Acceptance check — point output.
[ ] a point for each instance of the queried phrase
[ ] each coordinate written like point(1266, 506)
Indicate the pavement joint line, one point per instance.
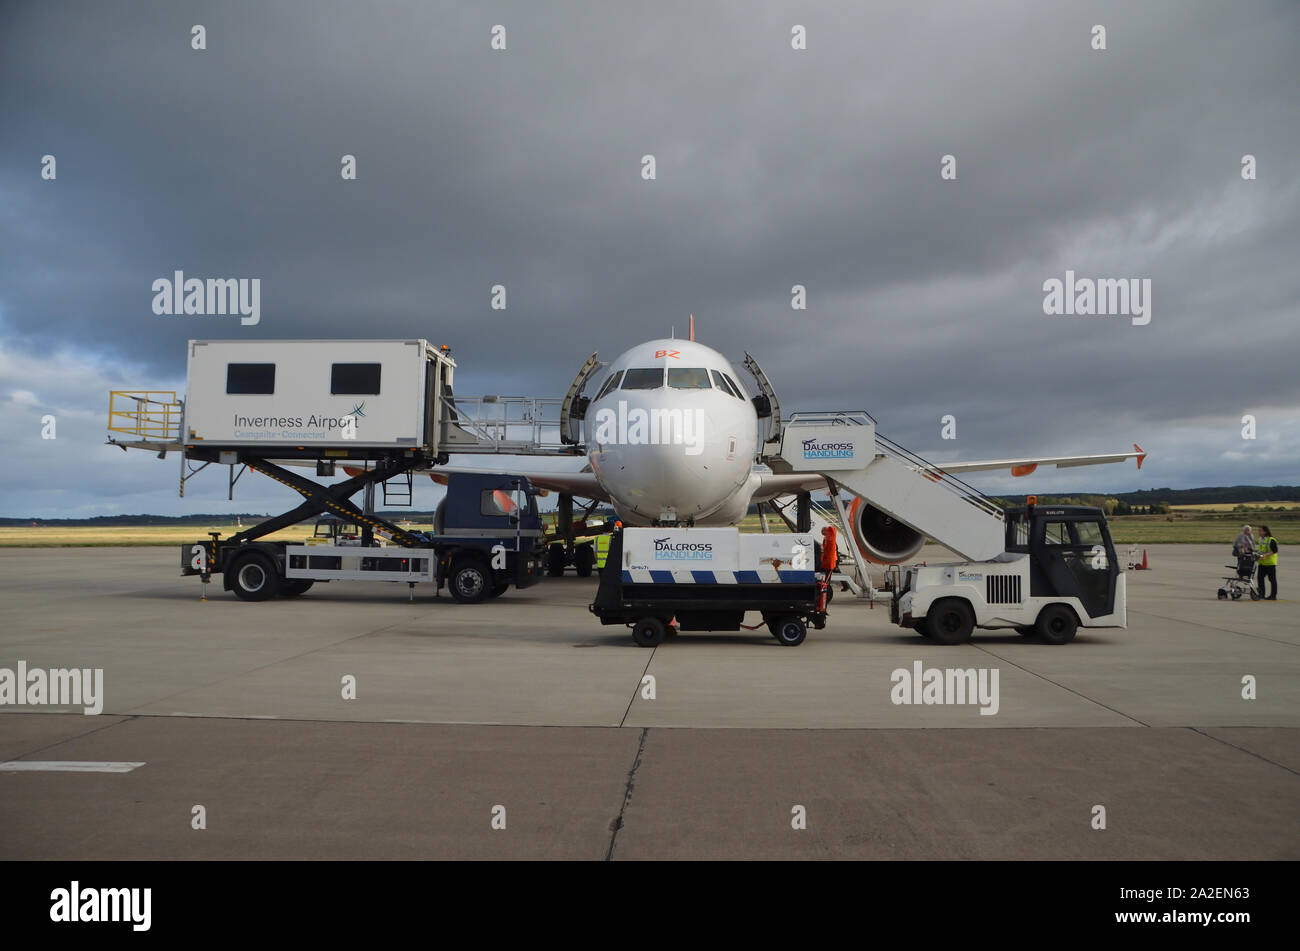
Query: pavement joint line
point(640, 680)
point(1219, 739)
point(68, 766)
point(1034, 673)
point(1211, 627)
point(282, 660)
point(127, 718)
point(617, 824)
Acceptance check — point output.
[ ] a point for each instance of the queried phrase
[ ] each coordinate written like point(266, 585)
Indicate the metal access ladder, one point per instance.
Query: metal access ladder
point(847, 450)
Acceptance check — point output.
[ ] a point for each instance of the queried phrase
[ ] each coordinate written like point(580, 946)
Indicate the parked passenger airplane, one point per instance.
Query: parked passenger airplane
point(672, 435)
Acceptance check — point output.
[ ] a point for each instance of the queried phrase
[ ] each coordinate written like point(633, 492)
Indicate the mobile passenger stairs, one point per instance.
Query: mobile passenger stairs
point(845, 448)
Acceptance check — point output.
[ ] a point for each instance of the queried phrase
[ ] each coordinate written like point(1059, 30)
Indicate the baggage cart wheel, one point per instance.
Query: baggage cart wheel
point(1223, 594)
point(790, 631)
point(1254, 595)
point(648, 632)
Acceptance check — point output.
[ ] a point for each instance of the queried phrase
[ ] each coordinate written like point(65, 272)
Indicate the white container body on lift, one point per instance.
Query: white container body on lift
point(315, 393)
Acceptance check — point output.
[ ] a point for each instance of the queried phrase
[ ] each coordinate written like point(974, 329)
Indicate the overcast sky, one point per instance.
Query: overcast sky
point(774, 167)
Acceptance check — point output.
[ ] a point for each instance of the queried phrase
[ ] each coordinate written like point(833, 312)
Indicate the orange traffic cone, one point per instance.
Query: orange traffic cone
point(1145, 566)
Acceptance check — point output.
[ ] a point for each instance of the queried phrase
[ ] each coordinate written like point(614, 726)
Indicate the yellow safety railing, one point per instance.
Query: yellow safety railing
point(147, 414)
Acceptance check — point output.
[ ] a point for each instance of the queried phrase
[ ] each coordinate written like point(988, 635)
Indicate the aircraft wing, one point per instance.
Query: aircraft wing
point(772, 485)
point(581, 484)
point(1023, 467)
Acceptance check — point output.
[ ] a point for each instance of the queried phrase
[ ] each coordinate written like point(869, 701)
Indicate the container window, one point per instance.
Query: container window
point(250, 377)
point(354, 379)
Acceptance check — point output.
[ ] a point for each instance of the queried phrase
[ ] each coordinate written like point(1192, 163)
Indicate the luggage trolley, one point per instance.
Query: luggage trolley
point(710, 597)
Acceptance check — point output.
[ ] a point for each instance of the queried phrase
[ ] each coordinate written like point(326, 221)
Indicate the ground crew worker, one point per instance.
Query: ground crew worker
point(602, 549)
point(1267, 562)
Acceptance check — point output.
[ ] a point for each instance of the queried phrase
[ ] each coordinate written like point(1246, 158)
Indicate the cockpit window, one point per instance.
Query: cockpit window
point(722, 383)
point(735, 386)
point(688, 378)
point(609, 384)
point(644, 379)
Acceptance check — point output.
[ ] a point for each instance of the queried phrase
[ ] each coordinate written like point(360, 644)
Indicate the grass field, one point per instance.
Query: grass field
point(1216, 525)
point(1229, 506)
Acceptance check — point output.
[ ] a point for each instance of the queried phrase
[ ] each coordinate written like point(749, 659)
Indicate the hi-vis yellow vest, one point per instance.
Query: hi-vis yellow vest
point(602, 550)
point(1269, 556)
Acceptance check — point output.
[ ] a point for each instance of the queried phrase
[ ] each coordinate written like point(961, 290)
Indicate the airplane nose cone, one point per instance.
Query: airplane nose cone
point(654, 480)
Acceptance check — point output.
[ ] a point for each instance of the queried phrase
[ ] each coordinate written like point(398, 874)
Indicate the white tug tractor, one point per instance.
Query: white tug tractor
point(1057, 574)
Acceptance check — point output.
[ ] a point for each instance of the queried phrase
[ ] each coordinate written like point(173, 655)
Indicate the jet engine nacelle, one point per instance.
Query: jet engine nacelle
point(880, 537)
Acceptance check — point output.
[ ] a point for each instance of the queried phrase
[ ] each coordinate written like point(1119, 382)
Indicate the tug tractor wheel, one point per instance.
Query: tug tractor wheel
point(253, 578)
point(555, 560)
point(583, 558)
point(470, 581)
point(950, 621)
point(1057, 624)
point(790, 631)
point(292, 587)
point(921, 627)
point(648, 632)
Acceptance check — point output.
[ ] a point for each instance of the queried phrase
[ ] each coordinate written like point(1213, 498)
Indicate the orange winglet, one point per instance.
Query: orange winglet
point(1142, 456)
point(1023, 470)
point(438, 477)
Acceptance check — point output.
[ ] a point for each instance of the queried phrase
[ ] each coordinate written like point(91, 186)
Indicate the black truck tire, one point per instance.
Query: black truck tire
point(253, 577)
point(584, 557)
point(1026, 631)
point(470, 580)
point(790, 631)
point(950, 621)
point(648, 631)
point(555, 559)
point(292, 587)
point(1057, 624)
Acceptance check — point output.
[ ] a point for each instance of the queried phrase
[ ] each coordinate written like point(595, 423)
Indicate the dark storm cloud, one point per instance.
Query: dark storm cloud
point(775, 167)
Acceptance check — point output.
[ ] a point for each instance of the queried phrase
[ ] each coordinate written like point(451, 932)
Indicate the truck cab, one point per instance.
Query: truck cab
point(489, 536)
point(1058, 573)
